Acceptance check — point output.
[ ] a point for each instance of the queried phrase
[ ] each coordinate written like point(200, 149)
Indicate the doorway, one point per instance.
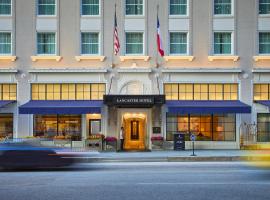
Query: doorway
point(134, 131)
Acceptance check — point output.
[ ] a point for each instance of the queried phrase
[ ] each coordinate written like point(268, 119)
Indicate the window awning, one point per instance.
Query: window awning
point(61, 107)
point(211, 107)
point(5, 103)
point(265, 103)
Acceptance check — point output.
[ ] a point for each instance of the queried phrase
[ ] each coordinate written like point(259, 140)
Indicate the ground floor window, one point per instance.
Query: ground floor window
point(50, 126)
point(207, 127)
point(6, 125)
point(263, 122)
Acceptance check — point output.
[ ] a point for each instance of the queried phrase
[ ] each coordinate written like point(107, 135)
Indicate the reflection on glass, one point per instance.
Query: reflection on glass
point(6, 125)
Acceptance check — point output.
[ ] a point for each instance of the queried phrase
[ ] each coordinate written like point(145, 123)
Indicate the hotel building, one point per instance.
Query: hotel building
point(59, 75)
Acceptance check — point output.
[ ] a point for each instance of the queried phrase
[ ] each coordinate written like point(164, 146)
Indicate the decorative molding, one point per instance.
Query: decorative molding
point(202, 70)
point(10, 58)
point(221, 57)
point(36, 58)
point(189, 58)
point(134, 70)
point(258, 58)
point(145, 58)
point(80, 58)
point(67, 70)
point(8, 70)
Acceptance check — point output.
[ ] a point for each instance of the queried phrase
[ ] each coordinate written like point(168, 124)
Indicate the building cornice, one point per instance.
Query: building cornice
point(67, 70)
point(202, 70)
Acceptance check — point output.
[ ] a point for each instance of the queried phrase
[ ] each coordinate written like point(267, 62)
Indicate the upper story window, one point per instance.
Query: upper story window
point(178, 7)
point(90, 7)
point(222, 7)
point(46, 7)
point(264, 7)
point(46, 43)
point(8, 91)
point(5, 43)
point(68, 91)
point(134, 43)
point(90, 43)
point(134, 7)
point(5, 7)
point(223, 43)
point(200, 91)
point(264, 43)
point(261, 92)
point(178, 43)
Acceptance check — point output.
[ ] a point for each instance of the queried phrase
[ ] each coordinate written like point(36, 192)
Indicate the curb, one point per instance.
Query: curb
point(164, 159)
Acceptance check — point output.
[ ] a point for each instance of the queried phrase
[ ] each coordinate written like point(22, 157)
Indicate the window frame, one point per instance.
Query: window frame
point(99, 43)
point(178, 16)
point(11, 13)
point(259, 32)
point(56, 47)
point(99, 10)
point(143, 37)
point(264, 15)
point(11, 44)
point(187, 44)
point(2, 92)
point(232, 43)
point(55, 9)
point(224, 15)
point(129, 15)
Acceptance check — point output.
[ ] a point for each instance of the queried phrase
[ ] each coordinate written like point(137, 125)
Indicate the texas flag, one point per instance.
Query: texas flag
point(159, 41)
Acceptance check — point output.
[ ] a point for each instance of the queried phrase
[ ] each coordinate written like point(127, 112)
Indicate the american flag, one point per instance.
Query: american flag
point(116, 42)
point(159, 41)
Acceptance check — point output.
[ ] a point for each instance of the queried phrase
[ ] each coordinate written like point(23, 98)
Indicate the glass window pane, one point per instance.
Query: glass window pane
point(46, 7)
point(264, 43)
point(90, 7)
point(5, 7)
point(90, 43)
point(222, 43)
point(134, 7)
point(178, 7)
point(264, 7)
point(222, 7)
point(46, 43)
point(134, 43)
point(6, 126)
point(5, 43)
point(178, 43)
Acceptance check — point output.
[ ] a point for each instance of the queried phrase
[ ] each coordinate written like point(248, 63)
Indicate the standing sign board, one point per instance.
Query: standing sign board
point(179, 141)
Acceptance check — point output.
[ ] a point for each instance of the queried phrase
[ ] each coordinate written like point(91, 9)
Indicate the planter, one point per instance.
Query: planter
point(157, 144)
point(62, 142)
point(94, 144)
point(111, 145)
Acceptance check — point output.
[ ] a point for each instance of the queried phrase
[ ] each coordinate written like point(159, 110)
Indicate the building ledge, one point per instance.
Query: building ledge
point(261, 70)
point(9, 58)
point(202, 70)
point(124, 58)
point(80, 58)
point(36, 58)
point(8, 70)
point(223, 57)
point(189, 58)
point(258, 58)
point(68, 70)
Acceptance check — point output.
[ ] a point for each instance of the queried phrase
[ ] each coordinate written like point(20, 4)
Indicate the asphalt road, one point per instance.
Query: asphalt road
point(137, 181)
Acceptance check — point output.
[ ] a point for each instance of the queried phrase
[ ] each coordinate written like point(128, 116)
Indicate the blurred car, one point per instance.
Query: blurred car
point(259, 155)
point(24, 155)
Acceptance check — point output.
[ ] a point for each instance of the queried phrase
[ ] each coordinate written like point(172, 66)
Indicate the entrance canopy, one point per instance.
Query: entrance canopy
point(265, 103)
point(213, 107)
point(61, 107)
point(5, 103)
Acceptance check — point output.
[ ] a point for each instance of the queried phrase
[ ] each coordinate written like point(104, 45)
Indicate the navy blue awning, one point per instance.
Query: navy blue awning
point(265, 103)
point(211, 107)
point(5, 103)
point(61, 107)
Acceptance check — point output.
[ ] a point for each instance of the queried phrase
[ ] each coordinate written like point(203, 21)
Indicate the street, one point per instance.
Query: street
point(138, 181)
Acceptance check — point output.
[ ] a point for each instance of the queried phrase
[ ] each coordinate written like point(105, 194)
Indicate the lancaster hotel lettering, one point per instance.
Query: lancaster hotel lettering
point(134, 100)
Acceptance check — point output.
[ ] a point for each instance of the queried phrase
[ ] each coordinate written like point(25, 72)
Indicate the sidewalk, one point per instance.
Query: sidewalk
point(164, 156)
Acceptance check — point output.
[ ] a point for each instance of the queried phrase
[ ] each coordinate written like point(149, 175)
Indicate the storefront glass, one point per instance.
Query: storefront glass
point(6, 125)
point(49, 126)
point(206, 127)
point(263, 122)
